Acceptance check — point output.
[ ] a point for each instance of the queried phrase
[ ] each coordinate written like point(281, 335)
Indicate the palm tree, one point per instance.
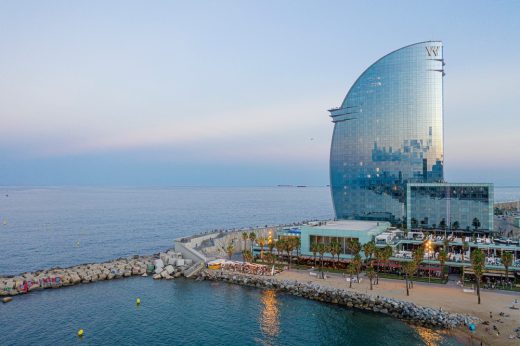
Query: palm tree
point(409, 269)
point(335, 250)
point(252, 237)
point(478, 263)
point(369, 249)
point(298, 243)
point(379, 257)
point(354, 246)
point(418, 257)
point(289, 247)
point(230, 249)
point(351, 270)
point(270, 258)
point(271, 245)
point(358, 263)
point(314, 250)
point(280, 246)
point(507, 261)
point(245, 237)
point(371, 274)
point(386, 254)
point(322, 248)
point(248, 256)
point(443, 257)
point(261, 243)
point(418, 253)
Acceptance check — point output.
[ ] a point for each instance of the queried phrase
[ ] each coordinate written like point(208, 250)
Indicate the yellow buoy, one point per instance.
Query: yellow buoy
point(80, 332)
point(138, 301)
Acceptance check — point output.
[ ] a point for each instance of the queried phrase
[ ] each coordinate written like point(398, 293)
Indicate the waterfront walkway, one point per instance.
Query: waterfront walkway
point(448, 297)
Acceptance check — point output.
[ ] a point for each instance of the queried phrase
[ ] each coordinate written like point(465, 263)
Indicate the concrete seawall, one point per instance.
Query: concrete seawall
point(412, 313)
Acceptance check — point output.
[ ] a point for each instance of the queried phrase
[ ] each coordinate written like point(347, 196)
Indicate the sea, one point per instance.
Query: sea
point(44, 227)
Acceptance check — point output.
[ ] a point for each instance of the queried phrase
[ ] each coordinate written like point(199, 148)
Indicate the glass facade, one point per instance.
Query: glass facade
point(321, 239)
point(450, 206)
point(388, 132)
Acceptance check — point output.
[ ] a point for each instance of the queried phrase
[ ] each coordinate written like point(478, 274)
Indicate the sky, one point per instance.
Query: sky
point(235, 93)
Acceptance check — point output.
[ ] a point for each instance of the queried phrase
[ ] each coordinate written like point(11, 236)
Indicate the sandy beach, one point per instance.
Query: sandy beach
point(448, 297)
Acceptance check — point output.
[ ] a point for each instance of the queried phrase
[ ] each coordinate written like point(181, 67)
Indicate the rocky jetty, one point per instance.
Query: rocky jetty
point(170, 265)
point(83, 273)
point(410, 312)
point(167, 265)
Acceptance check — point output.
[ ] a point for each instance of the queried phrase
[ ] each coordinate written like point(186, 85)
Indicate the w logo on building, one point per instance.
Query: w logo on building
point(432, 50)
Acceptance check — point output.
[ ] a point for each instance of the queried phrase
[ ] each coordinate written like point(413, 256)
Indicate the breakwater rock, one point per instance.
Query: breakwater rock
point(83, 273)
point(410, 312)
point(170, 265)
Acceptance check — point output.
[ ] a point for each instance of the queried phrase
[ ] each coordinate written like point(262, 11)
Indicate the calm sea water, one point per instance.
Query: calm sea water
point(183, 312)
point(40, 227)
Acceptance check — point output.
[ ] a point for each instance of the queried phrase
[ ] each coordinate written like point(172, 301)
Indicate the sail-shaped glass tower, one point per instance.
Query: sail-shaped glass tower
point(388, 132)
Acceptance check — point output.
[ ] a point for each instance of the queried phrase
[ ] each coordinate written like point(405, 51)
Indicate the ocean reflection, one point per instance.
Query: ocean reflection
point(270, 322)
point(428, 336)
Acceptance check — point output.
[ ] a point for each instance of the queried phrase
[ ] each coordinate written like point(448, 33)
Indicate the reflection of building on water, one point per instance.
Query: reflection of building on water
point(270, 320)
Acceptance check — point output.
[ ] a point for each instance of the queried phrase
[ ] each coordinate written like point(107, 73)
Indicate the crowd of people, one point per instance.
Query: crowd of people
point(247, 268)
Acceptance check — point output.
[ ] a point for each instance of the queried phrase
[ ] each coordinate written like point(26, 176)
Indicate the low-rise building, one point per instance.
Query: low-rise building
point(340, 231)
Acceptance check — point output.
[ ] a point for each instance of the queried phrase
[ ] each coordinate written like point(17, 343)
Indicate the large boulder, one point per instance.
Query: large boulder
point(158, 263)
point(169, 269)
point(164, 257)
point(158, 270)
point(75, 278)
point(179, 262)
point(8, 286)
